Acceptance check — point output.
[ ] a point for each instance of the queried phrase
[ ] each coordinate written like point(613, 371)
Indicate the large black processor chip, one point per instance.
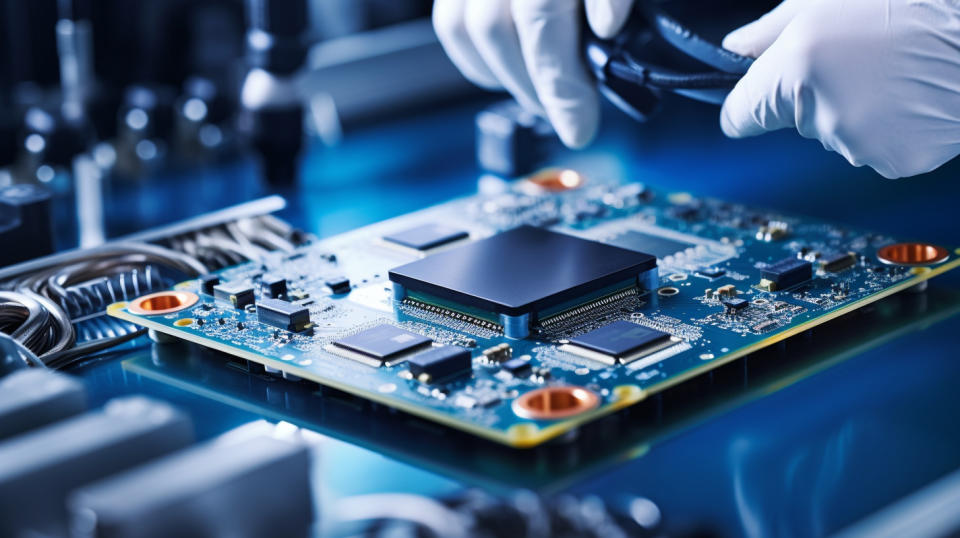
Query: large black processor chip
point(522, 271)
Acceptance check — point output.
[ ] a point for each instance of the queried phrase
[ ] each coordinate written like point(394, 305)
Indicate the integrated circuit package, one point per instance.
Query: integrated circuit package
point(523, 274)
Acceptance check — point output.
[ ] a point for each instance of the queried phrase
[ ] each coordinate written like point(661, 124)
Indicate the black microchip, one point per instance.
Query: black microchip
point(440, 362)
point(426, 236)
point(239, 295)
point(282, 314)
point(620, 339)
point(660, 247)
point(338, 285)
point(837, 261)
point(735, 304)
point(273, 286)
point(788, 272)
point(516, 366)
point(522, 271)
point(207, 282)
point(383, 342)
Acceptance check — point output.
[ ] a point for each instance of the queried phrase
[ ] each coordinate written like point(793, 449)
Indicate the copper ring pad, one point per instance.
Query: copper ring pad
point(912, 254)
point(556, 180)
point(163, 302)
point(551, 403)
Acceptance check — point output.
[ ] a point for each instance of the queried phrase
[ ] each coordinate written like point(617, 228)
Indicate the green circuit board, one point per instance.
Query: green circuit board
point(710, 300)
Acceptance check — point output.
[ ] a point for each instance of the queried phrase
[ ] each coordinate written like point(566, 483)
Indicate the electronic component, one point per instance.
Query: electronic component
point(727, 291)
point(380, 344)
point(773, 231)
point(236, 293)
point(439, 363)
point(620, 341)
point(426, 237)
point(515, 274)
point(660, 247)
point(207, 282)
point(785, 273)
point(838, 261)
point(517, 367)
point(283, 314)
point(338, 285)
point(735, 304)
point(273, 286)
point(498, 353)
point(711, 272)
point(510, 141)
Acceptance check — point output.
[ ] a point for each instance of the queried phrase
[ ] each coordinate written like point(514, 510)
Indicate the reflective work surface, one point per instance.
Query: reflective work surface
point(805, 438)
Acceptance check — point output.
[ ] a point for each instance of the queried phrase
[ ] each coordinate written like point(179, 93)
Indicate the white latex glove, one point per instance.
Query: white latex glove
point(531, 48)
point(877, 81)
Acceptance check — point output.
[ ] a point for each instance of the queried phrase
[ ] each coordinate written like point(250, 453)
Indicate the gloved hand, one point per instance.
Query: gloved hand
point(531, 48)
point(877, 81)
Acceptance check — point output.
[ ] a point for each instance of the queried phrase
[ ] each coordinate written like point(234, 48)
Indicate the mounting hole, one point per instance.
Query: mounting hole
point(551, 403)
point(164, 302)
point(668, 291)
point(677, 277)
point(912, 254)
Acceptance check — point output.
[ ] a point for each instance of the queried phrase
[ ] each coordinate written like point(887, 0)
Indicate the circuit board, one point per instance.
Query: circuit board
point(521, 313)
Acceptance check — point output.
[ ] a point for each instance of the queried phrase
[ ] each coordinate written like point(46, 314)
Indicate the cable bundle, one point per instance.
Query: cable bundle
point(40, 308)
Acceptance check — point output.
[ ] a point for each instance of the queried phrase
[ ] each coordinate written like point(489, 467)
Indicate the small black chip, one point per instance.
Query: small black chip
point(273, 286)
point(282, 314)
point(516, 367)
point(786, 273)
point(207, 282)
point(440, 363)
point(735, 304)
point(426, 237)
point(383, 342)
point(839, 261)
point(239, 295)
point(620, 339)
point(338, 285)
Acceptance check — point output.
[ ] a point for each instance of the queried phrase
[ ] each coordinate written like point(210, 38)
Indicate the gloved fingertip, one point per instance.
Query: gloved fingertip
point(575, 136)
point(730, 127)
point(576, 131)
point(739, 41)
point(607, 17)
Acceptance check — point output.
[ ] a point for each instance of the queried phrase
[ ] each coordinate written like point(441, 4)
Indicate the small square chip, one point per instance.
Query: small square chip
point(660, 247)
point(440, 363)
point(426, 237)
point(621, 341)
point(382, 343)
